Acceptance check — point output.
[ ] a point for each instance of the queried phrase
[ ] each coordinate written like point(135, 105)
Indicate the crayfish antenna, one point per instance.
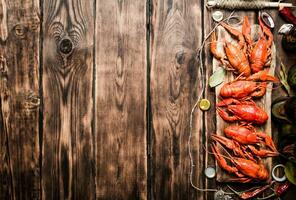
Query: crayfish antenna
point(246, 30)
point(263, 76)
point(240, 77)
point(246, 98)
point(236, 33)
point(248, 125)
point(266, 31)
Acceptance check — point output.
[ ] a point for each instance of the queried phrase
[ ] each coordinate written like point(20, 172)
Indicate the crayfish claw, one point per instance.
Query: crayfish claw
point(267, 141)
point(221, 160)
point(236, 33)
point(262, 76)
point(262, 152)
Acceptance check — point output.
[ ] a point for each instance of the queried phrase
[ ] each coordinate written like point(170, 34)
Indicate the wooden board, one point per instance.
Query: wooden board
point(19, 99)
point(175, 84)
point(68, 162)
point(95, 133)
point(210, 115)
point(264, 102)
point(121, 99)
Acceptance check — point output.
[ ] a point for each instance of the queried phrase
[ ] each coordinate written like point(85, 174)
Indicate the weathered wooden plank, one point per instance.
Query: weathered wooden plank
point(210, 115)
point(121, 82)
point(176, 34)
point(68, 162)
point(19, 109)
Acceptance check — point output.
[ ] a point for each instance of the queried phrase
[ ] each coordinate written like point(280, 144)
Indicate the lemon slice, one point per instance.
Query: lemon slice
point(204, 104)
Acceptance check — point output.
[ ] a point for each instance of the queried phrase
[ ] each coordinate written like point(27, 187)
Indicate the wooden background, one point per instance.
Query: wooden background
point(96, 97)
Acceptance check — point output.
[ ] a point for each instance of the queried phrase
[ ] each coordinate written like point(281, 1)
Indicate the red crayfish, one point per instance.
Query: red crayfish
point(244, 110)
point(246, 170)
point(247, 135)
point(240, 88)
point(259, 54)
point(236, 58)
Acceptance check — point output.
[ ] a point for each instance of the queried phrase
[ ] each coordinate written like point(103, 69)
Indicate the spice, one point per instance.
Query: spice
point(282, 188)
point(252, 193)
point(288, 15)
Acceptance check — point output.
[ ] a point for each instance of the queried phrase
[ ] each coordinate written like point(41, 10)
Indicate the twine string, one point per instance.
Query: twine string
point(199, 60)
point(237, 4)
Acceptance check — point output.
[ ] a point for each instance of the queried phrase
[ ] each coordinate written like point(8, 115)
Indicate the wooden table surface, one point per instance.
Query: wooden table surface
point(96, 98)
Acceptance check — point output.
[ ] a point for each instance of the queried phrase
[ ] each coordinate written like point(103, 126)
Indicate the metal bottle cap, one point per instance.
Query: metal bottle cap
point(204, 104)
point(210, 172)
point(219, 195)
point(217, 16)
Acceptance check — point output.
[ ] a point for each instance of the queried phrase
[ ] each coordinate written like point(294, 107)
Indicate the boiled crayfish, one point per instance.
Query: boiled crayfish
point(239, 142)
point(244, 110)
point(230, 144)
point(234, 146)
point(246, 170)
point(240, 88)
point(246, 58)
point(247, 135)
point(259, 52)
point(236, 58)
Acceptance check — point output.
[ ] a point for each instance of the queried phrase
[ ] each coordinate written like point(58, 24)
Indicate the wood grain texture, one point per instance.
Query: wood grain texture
point(121, 80)
point(68, 162)
point(19, 101)
point(175, 36)
point(210, 115)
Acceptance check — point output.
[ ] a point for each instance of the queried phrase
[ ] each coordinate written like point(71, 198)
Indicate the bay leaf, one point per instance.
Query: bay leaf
point(290, 172)
point(217, 77)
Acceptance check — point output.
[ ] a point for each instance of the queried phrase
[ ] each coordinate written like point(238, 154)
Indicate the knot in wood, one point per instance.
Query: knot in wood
point(19, 30)
point(28, 102)
point(180, 56)
point(66, 46)
point(3, 66)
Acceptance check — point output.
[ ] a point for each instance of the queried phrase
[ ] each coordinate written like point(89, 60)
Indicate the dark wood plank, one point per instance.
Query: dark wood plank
point(121, 80)
point(210, 115)
point(19, 109)
point(68, 162)
point(176, 34)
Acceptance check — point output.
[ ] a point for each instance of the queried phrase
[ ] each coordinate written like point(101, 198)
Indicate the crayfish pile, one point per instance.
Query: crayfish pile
point(249, 60)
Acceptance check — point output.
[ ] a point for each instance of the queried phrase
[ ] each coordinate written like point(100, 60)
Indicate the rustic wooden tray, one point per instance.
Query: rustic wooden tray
point(264, 102)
